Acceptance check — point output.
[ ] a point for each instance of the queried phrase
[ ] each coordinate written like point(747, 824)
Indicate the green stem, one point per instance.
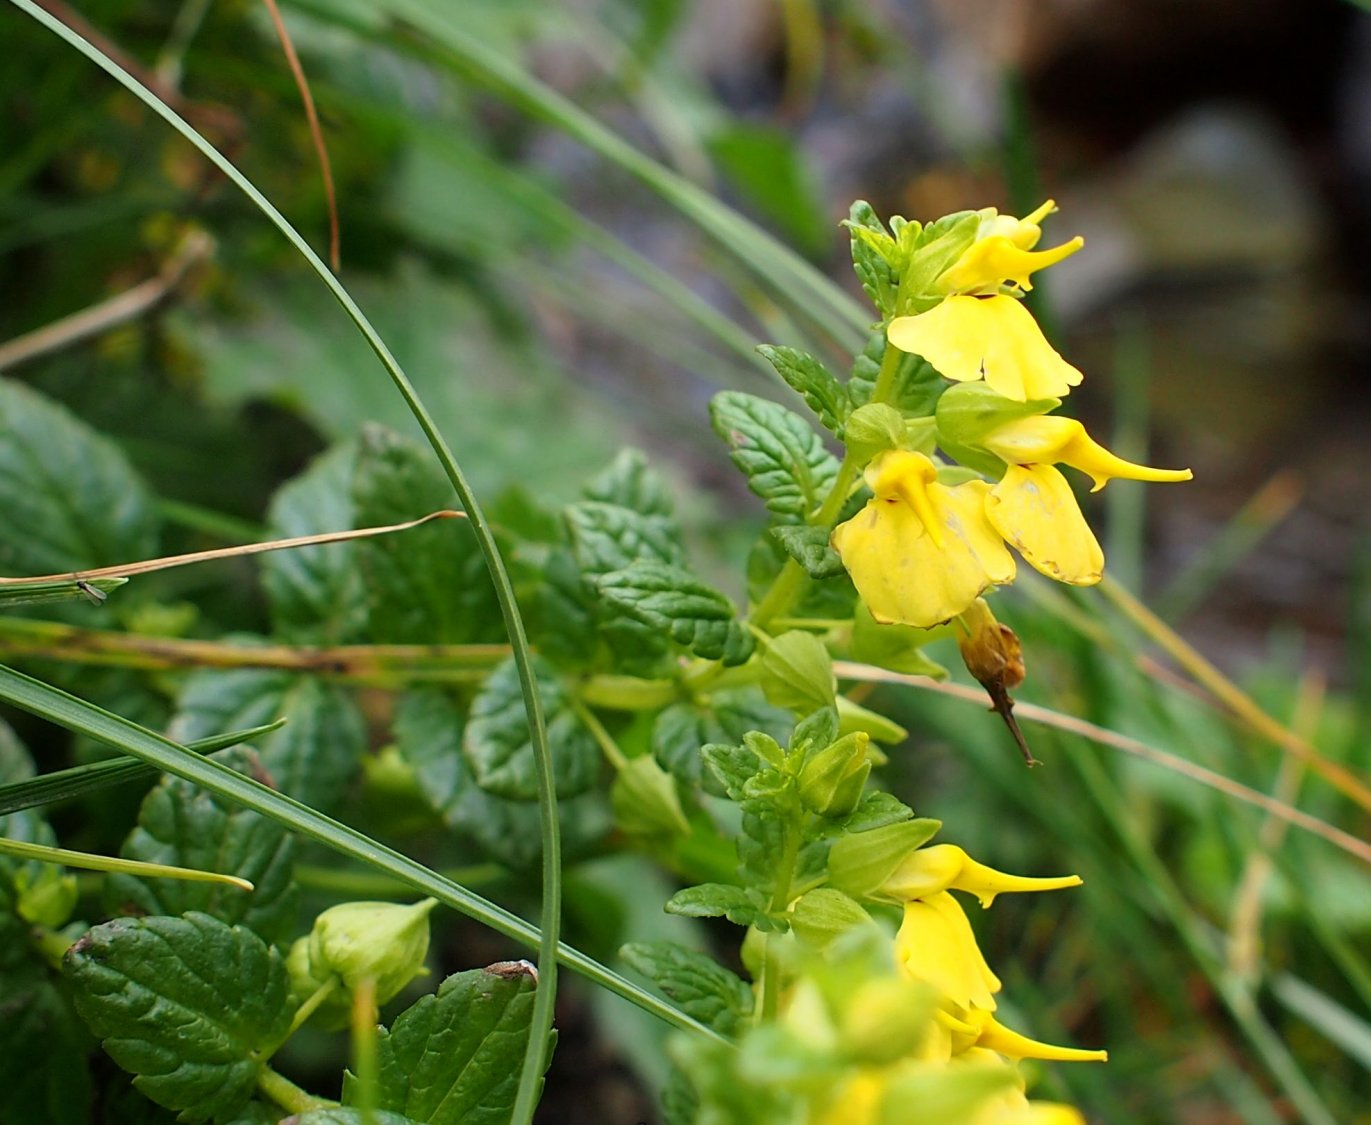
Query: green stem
point(885, 378)
point(627, 693)
point(607, 745)
point(308, 1008)
point(780, 899)
point(287, 1094)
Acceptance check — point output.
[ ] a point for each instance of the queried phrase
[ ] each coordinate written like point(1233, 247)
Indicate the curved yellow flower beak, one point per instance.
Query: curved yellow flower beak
point(920, 552)
point(1048, 439)
point(997, 1037)
point(1035, 510)
point(935, 944)
point(990, 262)
point(947, 867)
point(990, 338)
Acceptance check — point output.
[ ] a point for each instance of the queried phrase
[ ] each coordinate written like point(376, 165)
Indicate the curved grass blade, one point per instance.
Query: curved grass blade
point(60, 589)
point(530, 1078)
point(64, 709)
point(64, 785)
point(67, 858)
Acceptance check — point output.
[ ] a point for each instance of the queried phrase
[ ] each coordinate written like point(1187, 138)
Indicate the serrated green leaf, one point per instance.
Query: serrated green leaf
point(694, 981)
point(875, 810)
point(454, 1058)
point(682, 730)
point(562, 618)
point(312, 757)
point(783, 457)
point(631, 482)
point(674, 602)
point(608, 537)
point(184, 1004)
point(428, 585)
point(428, 729)
point(715, 900)
point(809, 547)
point(829, 599)
point(734, 766)
point(69, 499)
point(182, 825)
point(316, 594)
point(872, 266)
point(819, 387)
point(496, 741)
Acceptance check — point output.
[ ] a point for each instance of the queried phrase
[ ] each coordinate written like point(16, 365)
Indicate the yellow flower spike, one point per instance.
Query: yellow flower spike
point(1048, 439)
point(920, 552)
point(990, 262)
point(1035, 510)
point(997, 1037)
point(935, 944)
point(994, 338)
point(947, 867)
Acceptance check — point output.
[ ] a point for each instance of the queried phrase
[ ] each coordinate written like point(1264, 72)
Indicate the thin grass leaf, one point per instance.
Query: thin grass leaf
point(42, 853)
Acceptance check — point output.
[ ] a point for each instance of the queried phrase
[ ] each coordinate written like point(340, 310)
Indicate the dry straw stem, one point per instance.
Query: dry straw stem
point(145, 566)
point(1346, 841)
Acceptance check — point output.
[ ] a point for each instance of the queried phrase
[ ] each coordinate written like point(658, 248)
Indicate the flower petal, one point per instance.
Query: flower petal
point(1035, 510)
point(995, 338)
point(1048, 438)
point(935, 944)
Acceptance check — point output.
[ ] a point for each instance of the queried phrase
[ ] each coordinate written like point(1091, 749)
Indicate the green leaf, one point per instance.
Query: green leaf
point(38, 892)
point(312, 757)
point(820, 387)
point(497, 745)
point(784, 458)
point(698, 984)
point(674, 602)
point(682, 730)
point(182, 825)
point(872, 267)
point(316, 593)
point(608, 537)
point(428, 585)
point(809, 547)
point(715, 900)
point(916, 388)
point(734, 766)
point(184, 1004)
point(345, 1115)
point(797, 672)
point(429, 724)
point(876, 809)
point(453, 1058)
point(631, 482)
point(69, 499)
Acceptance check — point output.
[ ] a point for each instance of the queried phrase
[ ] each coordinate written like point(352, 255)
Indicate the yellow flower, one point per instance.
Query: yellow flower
point(996, 1037)
point(1035, 510)
point(990, 338)
point(935, 944)
point(1046, 439)
point(1003, 252)
point(920, 552)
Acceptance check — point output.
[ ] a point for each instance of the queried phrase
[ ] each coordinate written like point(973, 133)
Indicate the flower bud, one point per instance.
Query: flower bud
point(645, 800)
point(379, 941)
point(831, 780)
point(967, 412)
point(872, 429)
point(797, 672)
point(992, 651)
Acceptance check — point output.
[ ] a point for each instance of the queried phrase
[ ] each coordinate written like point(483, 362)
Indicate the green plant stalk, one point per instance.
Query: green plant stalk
point(361, 884)
point(608, 747)
point(780, 899)
point(75, 714)
point(531, 1074)
point(287, 1094)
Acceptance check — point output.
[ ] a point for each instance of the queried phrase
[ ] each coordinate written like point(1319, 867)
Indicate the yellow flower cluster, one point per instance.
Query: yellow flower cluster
point(922, 551)
point(963, 1067)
